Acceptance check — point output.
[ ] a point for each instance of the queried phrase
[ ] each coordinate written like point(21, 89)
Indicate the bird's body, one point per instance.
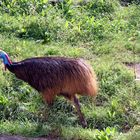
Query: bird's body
point(53, 76)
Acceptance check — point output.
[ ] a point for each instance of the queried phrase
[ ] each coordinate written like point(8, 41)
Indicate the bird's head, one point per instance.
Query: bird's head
point(4, 56)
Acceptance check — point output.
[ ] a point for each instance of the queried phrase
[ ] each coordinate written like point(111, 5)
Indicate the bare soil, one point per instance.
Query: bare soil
point(136, 68)
point(10, 137)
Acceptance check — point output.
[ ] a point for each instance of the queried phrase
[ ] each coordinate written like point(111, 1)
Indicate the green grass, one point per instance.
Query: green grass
point(105, 34)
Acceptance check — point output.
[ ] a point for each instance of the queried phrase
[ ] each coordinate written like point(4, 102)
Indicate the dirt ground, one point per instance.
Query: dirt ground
point(10, 137)
point(135, 67)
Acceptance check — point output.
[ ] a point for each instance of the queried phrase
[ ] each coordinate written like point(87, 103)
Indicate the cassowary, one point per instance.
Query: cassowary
point(54, 76)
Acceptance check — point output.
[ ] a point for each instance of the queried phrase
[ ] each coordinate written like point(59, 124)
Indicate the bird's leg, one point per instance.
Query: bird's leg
point(45, 113)
point(77, 107)
point(48, 98)
point(81, 116)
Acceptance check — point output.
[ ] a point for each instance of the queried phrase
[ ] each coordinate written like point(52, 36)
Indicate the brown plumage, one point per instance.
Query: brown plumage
point(52, 76)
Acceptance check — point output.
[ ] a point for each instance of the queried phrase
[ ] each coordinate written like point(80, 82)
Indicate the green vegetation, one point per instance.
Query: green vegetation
point(103, 32)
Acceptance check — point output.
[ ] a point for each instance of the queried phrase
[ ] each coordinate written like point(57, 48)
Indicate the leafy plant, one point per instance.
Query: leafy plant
point(107, 134)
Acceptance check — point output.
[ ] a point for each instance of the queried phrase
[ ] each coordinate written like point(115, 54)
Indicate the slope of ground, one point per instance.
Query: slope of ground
point(102, 32)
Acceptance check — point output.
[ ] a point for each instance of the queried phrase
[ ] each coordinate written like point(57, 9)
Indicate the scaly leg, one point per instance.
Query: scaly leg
point(77, 106)
point(48, 98)
point(81, 116)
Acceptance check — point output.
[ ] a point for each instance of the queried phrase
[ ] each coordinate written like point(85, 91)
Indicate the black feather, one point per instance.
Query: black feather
point(44, 72)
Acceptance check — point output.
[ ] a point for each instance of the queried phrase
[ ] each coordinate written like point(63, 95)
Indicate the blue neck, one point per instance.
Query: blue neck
point(5, 60)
